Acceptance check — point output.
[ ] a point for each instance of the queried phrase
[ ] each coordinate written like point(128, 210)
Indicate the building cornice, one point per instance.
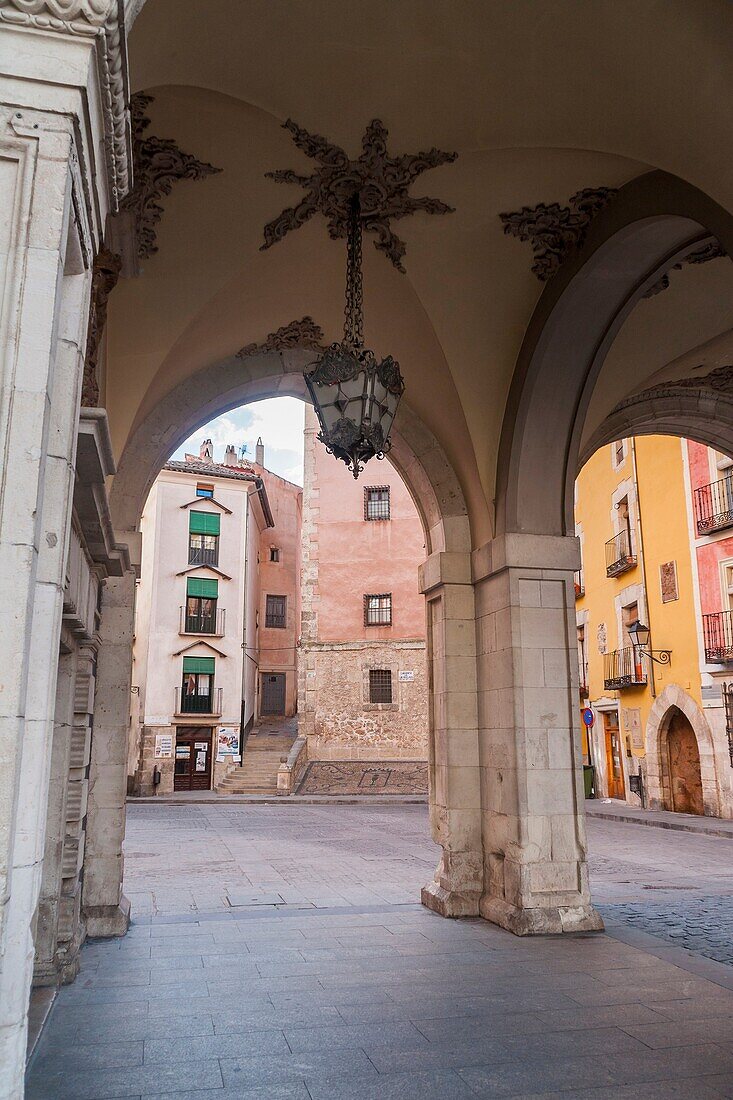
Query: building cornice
point(103, 22)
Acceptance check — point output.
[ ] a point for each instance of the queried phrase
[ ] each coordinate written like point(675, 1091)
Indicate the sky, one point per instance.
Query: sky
point(279, 420)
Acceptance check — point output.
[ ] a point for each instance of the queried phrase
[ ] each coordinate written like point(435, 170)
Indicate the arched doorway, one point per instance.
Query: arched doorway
point(445, 580)
point(681, 756)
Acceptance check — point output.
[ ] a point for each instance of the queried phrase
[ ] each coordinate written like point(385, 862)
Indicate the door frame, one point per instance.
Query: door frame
point(192, 734)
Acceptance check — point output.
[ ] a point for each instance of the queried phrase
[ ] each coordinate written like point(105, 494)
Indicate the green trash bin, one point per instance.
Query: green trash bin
point(589, 776)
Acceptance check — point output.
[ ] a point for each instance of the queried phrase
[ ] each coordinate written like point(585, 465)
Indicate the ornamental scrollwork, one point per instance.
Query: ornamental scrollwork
point(713, 250)
point(304, 333)
point(554, 230)
point(380, 181)
point(159, 163)
point(105, 273)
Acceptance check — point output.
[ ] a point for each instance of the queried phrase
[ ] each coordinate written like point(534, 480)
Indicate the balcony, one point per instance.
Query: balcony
point(214, 625)
point(620, 554)
point(623, 669)
point(579, 584)
point(714, 506)
point(198, 704)
point(717, 632)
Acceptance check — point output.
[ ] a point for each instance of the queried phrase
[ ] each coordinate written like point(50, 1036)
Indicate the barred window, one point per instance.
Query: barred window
point(276, 610)
point(380, 685)
point(376, 502)
point(378, 609)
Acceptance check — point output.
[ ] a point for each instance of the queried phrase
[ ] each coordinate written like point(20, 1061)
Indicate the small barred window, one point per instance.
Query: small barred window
point(378, 609)
point(380, 685)
point(376, 502)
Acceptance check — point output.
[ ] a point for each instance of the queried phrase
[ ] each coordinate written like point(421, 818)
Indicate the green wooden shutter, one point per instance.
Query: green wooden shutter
point(203, 523)
point(199, 586)
point(198, 664)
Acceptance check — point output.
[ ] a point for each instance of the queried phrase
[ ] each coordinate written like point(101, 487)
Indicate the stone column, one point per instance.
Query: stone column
point(455, 802)
point(536, 875)
point(104, 906)
point(42, 337)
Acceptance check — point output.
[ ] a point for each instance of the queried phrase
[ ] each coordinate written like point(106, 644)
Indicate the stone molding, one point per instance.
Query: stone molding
point(159, 164)
point(105, 273)
point(674, 697)
point(102, 21)
point(713, 250)
point(554, 230)
point(523, 550)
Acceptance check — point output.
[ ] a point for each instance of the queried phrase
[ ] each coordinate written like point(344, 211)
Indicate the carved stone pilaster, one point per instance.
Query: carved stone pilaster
point(106, 272)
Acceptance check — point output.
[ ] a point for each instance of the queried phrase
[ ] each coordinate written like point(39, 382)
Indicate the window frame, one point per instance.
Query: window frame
point(275, 555)
point(213, 550)
point(270, 615)
point(386, 686)
point(368, 489)
point(378, 610)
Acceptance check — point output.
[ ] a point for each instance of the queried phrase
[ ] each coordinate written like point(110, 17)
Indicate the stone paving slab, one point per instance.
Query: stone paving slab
point(613, 810)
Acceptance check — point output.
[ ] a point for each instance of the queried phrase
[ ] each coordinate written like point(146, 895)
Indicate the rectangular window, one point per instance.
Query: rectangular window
point(201, 599)
point(204, 523)
point(274, 553)
point(378, 609)
point(618, 452)
point(205, 491)
point(276, 611)
point(197, 685)
point(380, 685)
point(376, 502)
point(203, 549)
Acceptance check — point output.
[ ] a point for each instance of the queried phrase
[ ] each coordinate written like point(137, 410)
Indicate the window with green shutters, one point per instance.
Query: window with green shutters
point(204, 523)
point(201, 586)
point(197, 685)
point(201, 605)
point(199, 664)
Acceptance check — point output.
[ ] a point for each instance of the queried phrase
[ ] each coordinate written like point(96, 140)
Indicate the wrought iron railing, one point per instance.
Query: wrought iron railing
point(623, 668)
point(714, 505)
point(717, 632)
point(202, 624)
point(728, 705)
point(203, 555)
point(579, 584)
point(198, 704)
point(620, 553)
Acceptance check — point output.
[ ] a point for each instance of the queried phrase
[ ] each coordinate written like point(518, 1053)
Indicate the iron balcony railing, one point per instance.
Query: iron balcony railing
point(623, 668)
point(202, 624)
point(202, 555)
point(579, 584)
point(620, 554)
point(714, 506)
point(198, 704)
point(717, 632)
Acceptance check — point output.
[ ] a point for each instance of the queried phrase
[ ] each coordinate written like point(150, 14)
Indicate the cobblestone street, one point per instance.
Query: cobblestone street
point(279, 952)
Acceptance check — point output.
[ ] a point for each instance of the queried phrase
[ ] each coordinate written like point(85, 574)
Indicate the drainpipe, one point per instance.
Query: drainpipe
point(642, 557)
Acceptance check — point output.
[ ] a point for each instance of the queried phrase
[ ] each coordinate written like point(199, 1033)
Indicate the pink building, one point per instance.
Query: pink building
point(363, 672)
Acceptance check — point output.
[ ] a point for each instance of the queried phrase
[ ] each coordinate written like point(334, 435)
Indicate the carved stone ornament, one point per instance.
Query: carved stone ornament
point(380, 181)
point(711, 251)
point(554, 230)
point(105, 273)
point(602, 638)
point(159, 163)
point(304, 333)
point(102, 20)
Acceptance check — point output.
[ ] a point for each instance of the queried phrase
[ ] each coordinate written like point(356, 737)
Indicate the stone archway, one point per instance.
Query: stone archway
point(445, 579)
point(672, 775)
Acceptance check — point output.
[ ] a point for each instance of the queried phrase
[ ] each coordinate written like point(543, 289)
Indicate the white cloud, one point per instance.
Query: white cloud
point(279, 420)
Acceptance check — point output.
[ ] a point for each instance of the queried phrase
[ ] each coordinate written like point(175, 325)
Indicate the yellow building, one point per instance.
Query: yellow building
point(655, 737)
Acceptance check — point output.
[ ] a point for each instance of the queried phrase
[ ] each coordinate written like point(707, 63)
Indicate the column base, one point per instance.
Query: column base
point(542, 920)
point(104, 921)
point(448, 903)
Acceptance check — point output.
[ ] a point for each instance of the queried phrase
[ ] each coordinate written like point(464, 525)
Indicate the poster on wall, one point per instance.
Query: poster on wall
point(163, 746)
point(227, 744)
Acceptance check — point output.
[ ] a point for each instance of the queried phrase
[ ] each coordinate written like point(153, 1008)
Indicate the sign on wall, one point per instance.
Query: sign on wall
point(632, 722)
point(163, 746)
point(406, 676)
point(668, 581)
point(227, 744)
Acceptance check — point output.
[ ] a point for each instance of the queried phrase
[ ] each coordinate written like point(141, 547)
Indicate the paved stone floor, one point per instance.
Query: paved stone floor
point(278, 952)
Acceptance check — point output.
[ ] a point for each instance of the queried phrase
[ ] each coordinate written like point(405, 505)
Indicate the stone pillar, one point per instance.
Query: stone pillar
point(42, 337)
point(536, 875)
point(455, 796)
point(105, 908)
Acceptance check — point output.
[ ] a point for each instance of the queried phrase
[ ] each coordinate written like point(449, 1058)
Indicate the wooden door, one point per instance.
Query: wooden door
point(192, 770)
point(273, 693)
point(684, 767)
point(614, 760)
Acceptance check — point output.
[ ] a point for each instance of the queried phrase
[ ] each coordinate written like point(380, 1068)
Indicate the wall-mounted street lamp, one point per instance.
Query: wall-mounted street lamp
point(640, 636)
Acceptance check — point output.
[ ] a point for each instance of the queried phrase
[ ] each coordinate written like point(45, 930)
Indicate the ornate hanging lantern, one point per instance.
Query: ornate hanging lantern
point(356, 395)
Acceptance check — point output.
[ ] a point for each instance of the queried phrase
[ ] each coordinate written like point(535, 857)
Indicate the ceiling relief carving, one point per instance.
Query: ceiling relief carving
point(92, 13)
point(717, 381)
point(711, 251)
point(381, 181)
point(105, 273)
point(304, 333)
point(158, 165)
point(554, 230)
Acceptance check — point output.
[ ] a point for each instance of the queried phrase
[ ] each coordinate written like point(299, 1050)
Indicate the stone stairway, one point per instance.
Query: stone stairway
point(262, 756)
